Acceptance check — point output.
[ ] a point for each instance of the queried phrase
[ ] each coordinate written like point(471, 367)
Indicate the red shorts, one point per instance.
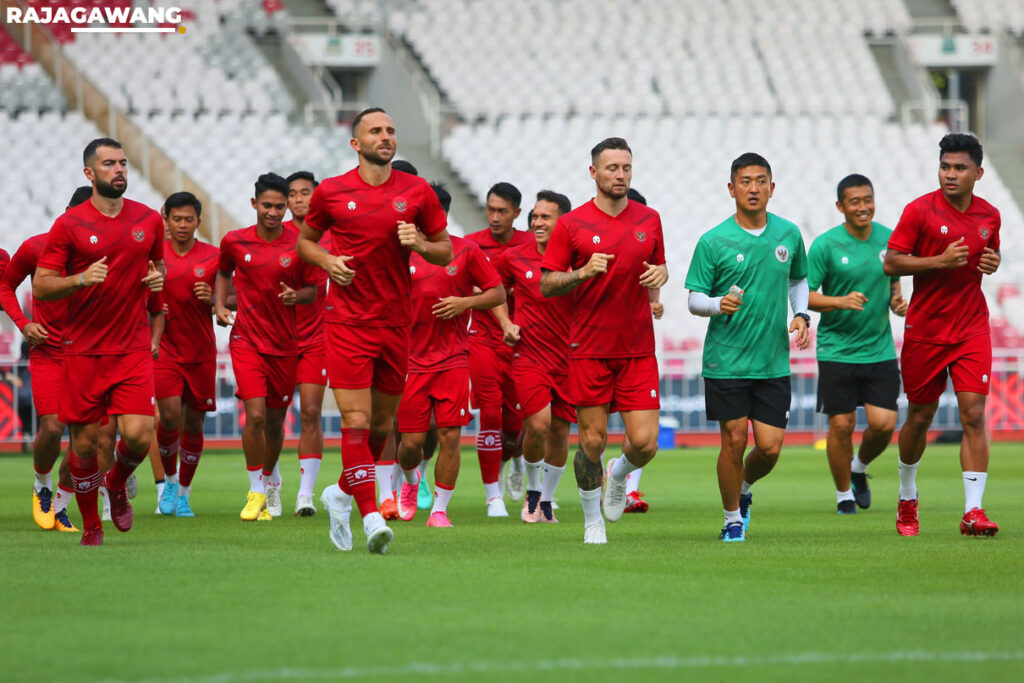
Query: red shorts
point(360, 357)
point(624, 383)
point(97, 386)
point(195, 383)
point(312, 366)
point(537, 388)
point(47, 371)
point(445, 393)
point(259, 375)
point(925, 367)
point(490, 369)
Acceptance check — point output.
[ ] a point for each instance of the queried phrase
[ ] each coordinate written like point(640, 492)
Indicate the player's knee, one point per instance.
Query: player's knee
point(920, 419)
point(883, 426)
point(256, 418)
point(50, 428)
point(309, 416)
point(842, 426)
point(973, 416)
point(734, 440)
point(413, 442)
point(194, 422)
point(771, 450)
point(593, 442)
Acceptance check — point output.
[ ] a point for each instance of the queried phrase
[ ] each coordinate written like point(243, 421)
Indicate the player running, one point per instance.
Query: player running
point(948, 240)
point(311, 366)
point(856, 355)
point(608, 253)
point(740, 275)
point(111, 250)
point(540, 364)
point(377, 217)
point(269, 281)
point(186, 368)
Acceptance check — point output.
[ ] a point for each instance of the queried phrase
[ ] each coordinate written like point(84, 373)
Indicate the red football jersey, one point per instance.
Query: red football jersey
point(543, 321)
point(611, 312)
point(947, 306)
point(311, 317)
point(108, 318)
point(363, 222)
point(188, 335)
point(259, 268)
point(483, 327)
point(437, 344)
point(49, 314)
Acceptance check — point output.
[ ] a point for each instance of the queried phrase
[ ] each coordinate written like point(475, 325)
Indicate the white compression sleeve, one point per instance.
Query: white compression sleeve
point(799, 293)
point(703, 305)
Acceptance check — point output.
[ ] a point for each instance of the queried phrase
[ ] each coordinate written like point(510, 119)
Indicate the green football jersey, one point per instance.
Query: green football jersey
point(754, 342)
point(839, 264)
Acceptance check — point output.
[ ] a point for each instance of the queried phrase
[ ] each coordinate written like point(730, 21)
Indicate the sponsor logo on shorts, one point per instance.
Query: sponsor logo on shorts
point(984, 379)
point(248, 258)
point(138, 234)
point(739, 258)
point(452, 270)
point(400, 204)
point(597, 239)
point(641, 236)
point(984, 231)
point(881, 256)
point(93, 239)
point(943, 229)
point(787, 414)
point(781, 253)
point(286, 261)
point(351, 206)
point(529, 275)
point(844, 260)
point(199, 271)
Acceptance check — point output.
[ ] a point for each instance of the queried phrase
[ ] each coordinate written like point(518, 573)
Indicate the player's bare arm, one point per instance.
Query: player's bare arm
point(310, 251)
point(990, 260)
point(657, 308)
point(510, 332)
point(50, 285)
point(302, 296)
point(454, 306)
point(897, 304)
point(435, 249)
point(155, 276)
point(157, 323)
point(554, 283)
point(654, 277)
point(220, 296)
point(898, 263)
point(854, 301)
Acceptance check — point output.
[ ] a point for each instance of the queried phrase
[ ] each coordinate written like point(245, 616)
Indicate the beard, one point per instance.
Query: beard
point(614, 192)
point(109, 191)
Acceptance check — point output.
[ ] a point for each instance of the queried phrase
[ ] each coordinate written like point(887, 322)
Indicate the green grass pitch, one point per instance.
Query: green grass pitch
point(810, 595)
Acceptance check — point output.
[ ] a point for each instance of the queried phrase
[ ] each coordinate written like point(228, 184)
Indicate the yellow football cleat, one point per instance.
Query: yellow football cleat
point(42, 508)
point(254, 504)
point(265, 515)
point(63, 523)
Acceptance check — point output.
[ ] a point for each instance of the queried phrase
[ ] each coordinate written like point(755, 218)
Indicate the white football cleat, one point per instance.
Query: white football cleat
point(274, 500)
point(595, 533)
point(338, 505)
point(496, 507)
point(378, 535)
point(304, 506)
point(515, 483)
point(614, 495)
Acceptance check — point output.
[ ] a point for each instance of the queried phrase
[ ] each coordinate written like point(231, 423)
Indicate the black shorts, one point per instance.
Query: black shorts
point(844, 386)
point(764, 400)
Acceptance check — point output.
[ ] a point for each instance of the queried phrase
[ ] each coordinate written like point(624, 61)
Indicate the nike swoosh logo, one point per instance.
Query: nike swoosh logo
point(971, 478)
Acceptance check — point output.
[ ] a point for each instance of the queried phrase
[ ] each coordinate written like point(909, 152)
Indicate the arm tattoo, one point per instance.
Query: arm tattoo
point(554, 283)
point(589, 474)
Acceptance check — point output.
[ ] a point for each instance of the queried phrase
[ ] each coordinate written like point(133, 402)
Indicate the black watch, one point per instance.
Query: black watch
point(807, 318)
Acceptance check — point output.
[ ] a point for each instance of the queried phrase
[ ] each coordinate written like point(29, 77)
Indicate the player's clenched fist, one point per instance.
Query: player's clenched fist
point(203, 292)
point(654, 276)
point(94, 274)
point(409, 236)
point(287, 295)
point(955, 255)
point(990, 259)
point(154, 278)
point(338, 270)
point(898, 305)
point(225, 317)
point(510, 334)
point(730, 304)
point(854, 301)
point(597, 264)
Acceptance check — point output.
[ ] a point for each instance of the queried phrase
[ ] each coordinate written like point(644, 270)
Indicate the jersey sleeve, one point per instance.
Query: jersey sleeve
point(505, 270)
point(156, 253)
point(17, 270)
point(432, 218)
point(483, 274)
point(817, 264)
point(558, 255)
point(701, 275)
point(658, 253)
point(225, 261)
point(798, 264)
point(318, 217)
point(904, 237)
point(58, 248)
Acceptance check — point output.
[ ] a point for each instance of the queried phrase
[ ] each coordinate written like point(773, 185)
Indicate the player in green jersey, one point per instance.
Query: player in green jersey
point(741, 275)
point(856, 355)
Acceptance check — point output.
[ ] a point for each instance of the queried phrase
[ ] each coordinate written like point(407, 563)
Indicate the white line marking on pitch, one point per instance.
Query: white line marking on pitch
point(568, 664)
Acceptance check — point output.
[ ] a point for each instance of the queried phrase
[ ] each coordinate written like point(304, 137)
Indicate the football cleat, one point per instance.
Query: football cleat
point(42, 508)
point(614, 494)
point(120, 507)
point(304, 506)
point(131, 485)
point(439, 520)
point(846, 507)
point(907, 523)
point(547, 513)
point(254, 505)
point(531, 507)
point(182, 508)
point(274, 500)
point(425, 497)
point(378, 535)
point(733, 533)
point(389, 509)
point(595, 533)
point(338, 505)
point(515, 482)
point(169, 498)
point(634, 502)
point(976, 523)
point(61, 522)
point(407, 500)
point(92, 536)
point(496, 507)
point(264, 515)
point(861, 490)
point(746, 500)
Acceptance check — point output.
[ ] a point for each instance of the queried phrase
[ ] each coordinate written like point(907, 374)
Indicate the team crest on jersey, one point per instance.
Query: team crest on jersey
point(984, 231)
point(781, 253)
point(597, 239)
point(641, 236)
point(844, 260)
point(93, 239)
point(943, 229)
point(400, 204)
point(286, 261)
point(199, 271)
point(452, 269)
point(529, 275)
point(138, 234)
point(351, 206)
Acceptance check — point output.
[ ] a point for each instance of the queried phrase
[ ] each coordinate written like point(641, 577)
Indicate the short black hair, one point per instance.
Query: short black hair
point(443, 195)
point(961, 142)
point(271, 181)
point(749, 159)
point(636, 196)
point(80, 195)
point(404, 166)
point(852, 180)
point(180, 199)
point(366, 112)
point(302, 175)
point(507, 191)
point(608, 143)
point(90, 149)
point(559, 200)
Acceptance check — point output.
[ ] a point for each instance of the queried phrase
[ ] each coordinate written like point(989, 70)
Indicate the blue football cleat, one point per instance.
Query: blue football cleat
point(732, 533)
point(424, 497)
point(169, 499)
point(746, 500)
point(183, 509)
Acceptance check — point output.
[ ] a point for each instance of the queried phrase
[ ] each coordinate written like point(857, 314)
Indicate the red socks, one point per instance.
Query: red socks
point(488, 444)
point(167, 441)
point(377, 446)
point(191, 450)
point(124, 464)
point(357, 477)
point(86, 477)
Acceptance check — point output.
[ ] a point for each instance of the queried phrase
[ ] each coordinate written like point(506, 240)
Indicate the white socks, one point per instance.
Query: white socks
point(908, 481)
point(492, 490)
point(857, 466)
point(43, 481)
point(185, 491)
point(552, 475)
point(275, 477)
point(423, 468)
point(411, 476)
point(309, 469)
point(256, 484)
point(591, 501)
point(533, 475)
point(622, 468)
point(633, 481)
point(732, 516)
point(745, 489)
point(384, 487)
point(170, 479)
point(974, 488)
point(844, 495)
point(441, 498)
point(61, 499)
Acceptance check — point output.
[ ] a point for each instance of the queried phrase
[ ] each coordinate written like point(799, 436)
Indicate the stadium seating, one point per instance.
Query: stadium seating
point(991, 15)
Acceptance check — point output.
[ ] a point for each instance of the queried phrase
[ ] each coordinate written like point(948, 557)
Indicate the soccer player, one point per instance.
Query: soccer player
point(311, 367)
point(540, 363)
point(269, 281)
point(746, 351)
point(856, 355)
point(438, 380)
point(608, 253)
point(490, 360)
point(49, 507)
point(948, 240)
point(111, 250)
point(377, 217)
point(186, 367)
